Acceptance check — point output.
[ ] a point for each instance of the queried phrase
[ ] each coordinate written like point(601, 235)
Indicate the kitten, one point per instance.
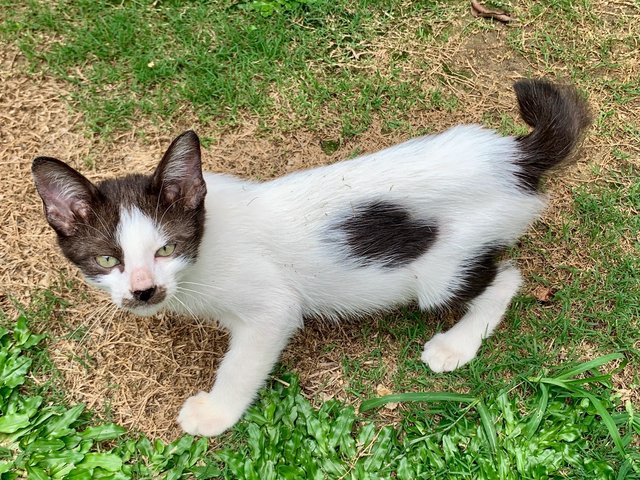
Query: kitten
point(425, 221)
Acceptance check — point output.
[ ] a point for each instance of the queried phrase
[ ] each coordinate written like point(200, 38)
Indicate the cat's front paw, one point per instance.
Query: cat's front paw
point(444, 352)
point(202, 415)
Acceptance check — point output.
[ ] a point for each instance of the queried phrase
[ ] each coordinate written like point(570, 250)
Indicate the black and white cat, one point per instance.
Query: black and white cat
point(425, 221)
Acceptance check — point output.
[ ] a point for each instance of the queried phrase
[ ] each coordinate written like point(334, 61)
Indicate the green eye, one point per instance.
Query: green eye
point(166, 251)
point(106, 261)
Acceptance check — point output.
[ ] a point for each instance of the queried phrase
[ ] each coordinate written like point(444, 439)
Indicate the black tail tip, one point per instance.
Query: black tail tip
point(559, 116)
point(542, 101)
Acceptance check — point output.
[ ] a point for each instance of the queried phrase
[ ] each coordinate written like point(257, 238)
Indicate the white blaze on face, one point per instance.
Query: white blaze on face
point(139, 239)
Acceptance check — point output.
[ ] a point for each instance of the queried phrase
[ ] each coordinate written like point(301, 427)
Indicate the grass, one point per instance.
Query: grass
point(222, 59)
point(555, 431)
point(552, 395)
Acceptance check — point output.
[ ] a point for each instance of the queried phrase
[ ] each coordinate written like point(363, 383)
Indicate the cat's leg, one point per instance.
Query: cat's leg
point(254, 349)
point(459, 345)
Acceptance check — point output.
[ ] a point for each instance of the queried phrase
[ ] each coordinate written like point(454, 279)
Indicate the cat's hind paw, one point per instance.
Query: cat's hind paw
point(202, 415)
point(444, 352)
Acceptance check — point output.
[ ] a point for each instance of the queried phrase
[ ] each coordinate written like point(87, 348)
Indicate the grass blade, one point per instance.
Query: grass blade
point(624, 470)
point(534, 423)
point(488, 425)
point(586, 366)
point(608, 421)
point(565, 381)
point(428, 397)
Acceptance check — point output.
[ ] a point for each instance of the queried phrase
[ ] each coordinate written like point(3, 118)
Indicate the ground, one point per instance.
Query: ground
point(138, 371)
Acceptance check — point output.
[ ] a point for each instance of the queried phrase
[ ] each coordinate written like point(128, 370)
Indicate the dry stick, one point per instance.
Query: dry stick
point(479, 10)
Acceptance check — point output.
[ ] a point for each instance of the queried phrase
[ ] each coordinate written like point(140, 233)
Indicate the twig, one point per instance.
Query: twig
point(479, 10)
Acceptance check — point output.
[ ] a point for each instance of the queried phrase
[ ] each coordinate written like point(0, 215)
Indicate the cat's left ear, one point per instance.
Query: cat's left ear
point(66, 194)
point(178, 177)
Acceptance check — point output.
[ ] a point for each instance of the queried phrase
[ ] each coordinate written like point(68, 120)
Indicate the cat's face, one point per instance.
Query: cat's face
point(131, 236)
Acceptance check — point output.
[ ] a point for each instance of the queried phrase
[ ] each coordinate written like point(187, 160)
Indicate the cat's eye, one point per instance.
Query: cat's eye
point(166, 250)
point(107, 261)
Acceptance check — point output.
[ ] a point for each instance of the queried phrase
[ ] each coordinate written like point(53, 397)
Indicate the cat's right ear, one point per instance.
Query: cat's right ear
point(66, 194)
point(178, 177)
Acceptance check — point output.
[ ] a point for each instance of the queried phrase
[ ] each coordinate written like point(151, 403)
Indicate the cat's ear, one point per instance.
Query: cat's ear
point(66, 194)
point(178, 177)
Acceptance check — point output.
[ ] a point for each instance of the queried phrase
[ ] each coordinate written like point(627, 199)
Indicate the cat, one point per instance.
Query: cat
point(424, 221)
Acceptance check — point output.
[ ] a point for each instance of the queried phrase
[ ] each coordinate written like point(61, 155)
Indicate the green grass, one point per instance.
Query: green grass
point(221, 59)
point(556, 430)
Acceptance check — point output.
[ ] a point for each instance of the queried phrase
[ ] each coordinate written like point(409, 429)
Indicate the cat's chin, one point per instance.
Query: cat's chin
point(146, 310)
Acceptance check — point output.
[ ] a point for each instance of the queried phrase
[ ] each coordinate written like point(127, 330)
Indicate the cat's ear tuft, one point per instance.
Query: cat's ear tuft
point(66, 194)
point(178, 177)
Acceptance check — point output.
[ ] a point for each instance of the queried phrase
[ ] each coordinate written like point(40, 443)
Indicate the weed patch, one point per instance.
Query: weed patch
point(568, 423)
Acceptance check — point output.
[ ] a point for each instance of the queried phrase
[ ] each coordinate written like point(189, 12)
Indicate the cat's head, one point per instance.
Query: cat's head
point(131, 236)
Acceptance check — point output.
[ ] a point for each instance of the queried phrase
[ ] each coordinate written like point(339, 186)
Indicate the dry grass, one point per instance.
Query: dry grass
point(142, 369)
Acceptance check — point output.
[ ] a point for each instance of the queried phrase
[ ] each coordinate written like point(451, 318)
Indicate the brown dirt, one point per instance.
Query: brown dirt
point(142, 369)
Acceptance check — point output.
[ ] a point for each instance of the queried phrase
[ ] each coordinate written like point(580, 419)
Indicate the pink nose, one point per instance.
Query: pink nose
point(141, 279)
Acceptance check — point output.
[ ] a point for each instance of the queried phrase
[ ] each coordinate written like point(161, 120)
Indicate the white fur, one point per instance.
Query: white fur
point(266, 259)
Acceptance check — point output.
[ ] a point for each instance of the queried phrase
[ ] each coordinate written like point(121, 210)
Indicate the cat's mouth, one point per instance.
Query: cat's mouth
point(146, 303)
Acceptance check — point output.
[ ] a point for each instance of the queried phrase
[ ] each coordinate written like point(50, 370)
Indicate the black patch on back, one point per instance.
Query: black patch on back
point(479, 274)
point(386, 234)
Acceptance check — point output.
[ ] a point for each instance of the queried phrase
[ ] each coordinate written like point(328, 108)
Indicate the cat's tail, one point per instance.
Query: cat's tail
point(558, 116)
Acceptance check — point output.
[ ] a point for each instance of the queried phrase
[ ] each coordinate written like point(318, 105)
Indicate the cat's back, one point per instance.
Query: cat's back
point(465, 167)
point(453, 176)
point(457, 189)
point(463, 161)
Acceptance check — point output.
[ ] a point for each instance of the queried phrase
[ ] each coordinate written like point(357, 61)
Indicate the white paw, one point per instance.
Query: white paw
point(202, 415)
point(444, 352)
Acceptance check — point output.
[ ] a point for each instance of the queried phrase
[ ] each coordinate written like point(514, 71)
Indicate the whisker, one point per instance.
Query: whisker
point(189, 311)
point(184, 289)
point(115, 311)
point(155, 215)
point(192, 297)
point(100, 314)
point(97, 230)
point(99, 218)
point(214, 287)
point(167, 209)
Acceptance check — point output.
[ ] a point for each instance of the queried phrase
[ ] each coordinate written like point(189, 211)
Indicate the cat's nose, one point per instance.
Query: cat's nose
point(141, 280)
point(144, 295)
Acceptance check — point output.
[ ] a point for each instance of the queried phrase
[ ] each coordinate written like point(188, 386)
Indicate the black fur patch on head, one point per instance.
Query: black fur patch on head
point(86, 216)
point(385, 234)
point(478, 275)
point(183, 226)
